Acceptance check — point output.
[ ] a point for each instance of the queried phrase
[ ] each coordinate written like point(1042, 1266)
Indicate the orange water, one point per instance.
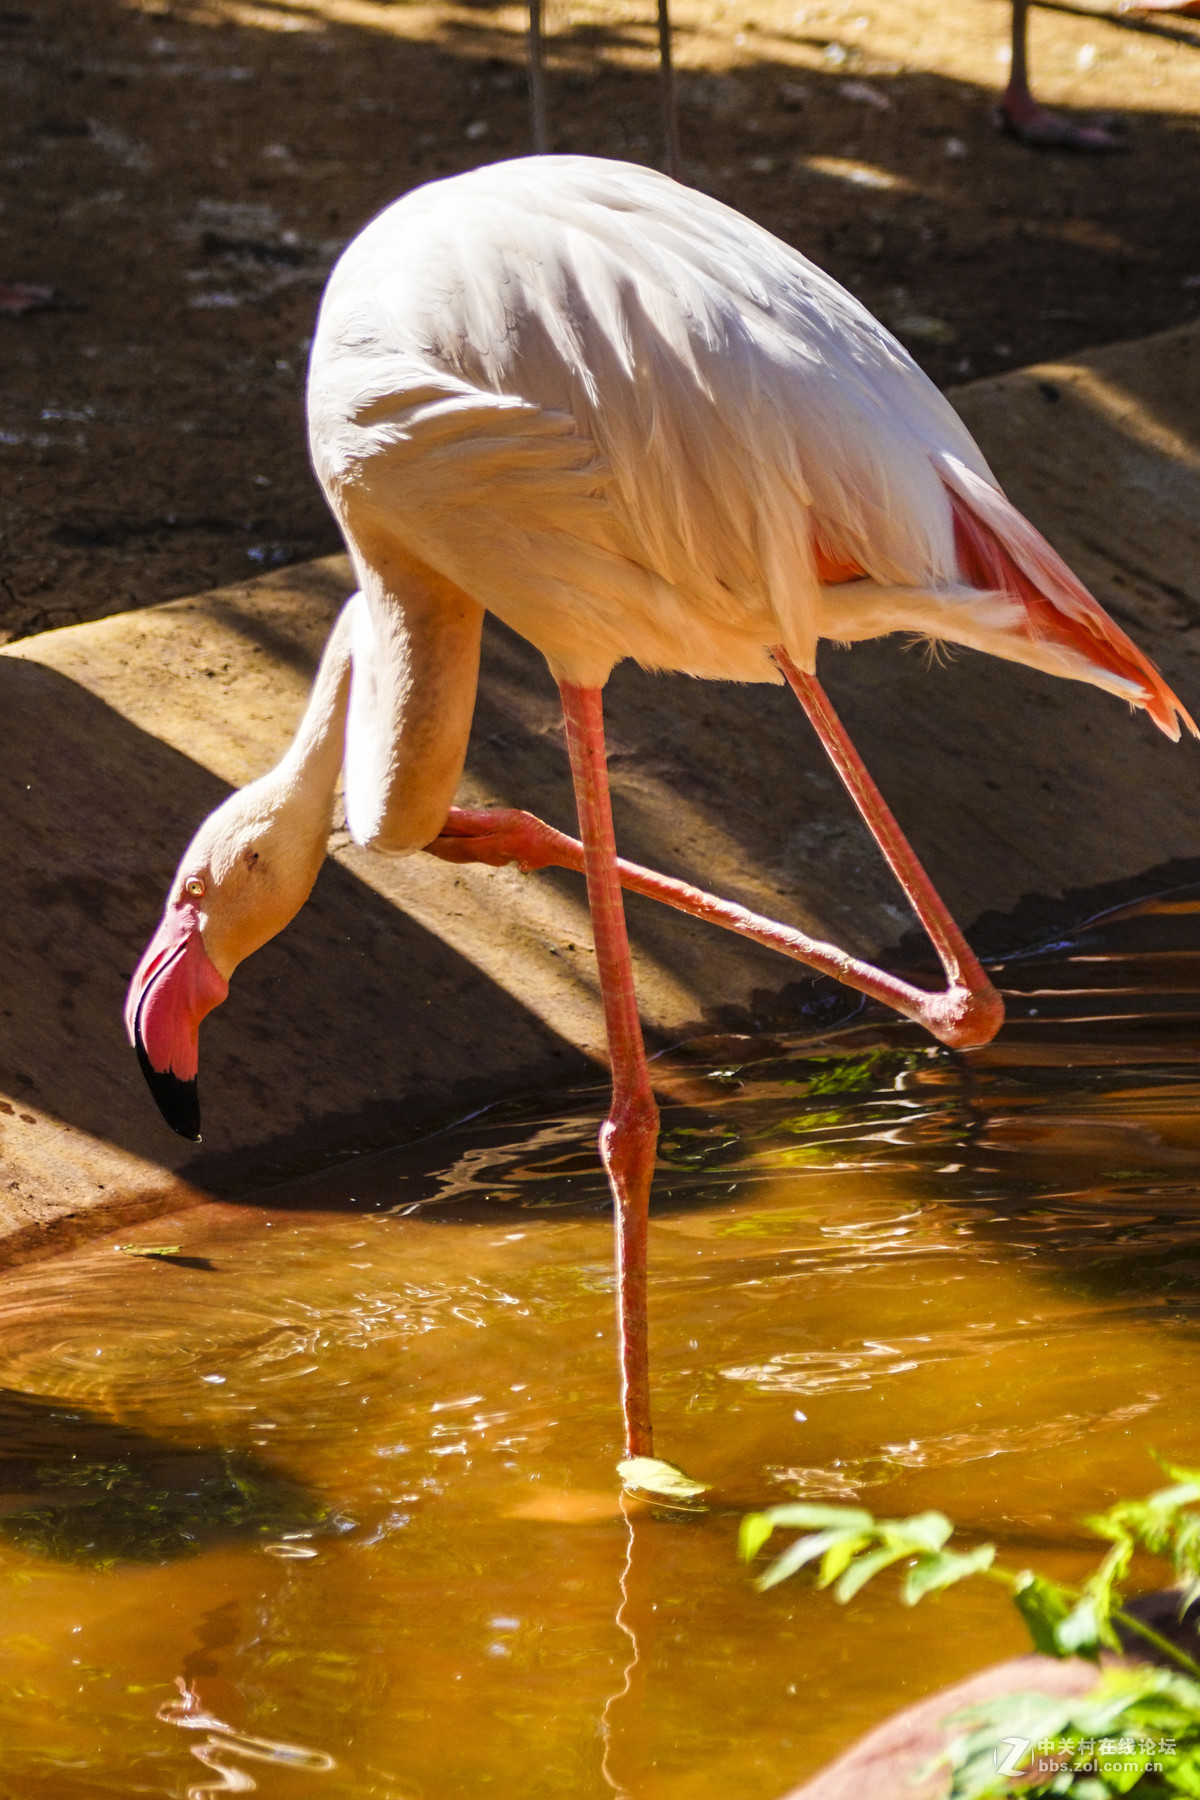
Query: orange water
point(344, 1467)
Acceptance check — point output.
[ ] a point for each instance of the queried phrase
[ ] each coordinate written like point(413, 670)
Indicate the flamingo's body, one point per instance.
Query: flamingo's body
point(631, 423)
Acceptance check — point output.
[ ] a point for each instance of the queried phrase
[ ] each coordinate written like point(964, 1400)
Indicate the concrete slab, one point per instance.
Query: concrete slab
point(411, 990)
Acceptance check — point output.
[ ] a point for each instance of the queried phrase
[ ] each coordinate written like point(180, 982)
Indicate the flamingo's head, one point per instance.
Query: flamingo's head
point(245, 874)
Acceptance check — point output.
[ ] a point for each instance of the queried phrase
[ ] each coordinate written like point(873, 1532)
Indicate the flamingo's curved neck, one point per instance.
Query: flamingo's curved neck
point(308, 772)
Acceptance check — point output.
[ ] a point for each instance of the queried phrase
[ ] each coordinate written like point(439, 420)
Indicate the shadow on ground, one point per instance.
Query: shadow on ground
point(356, 1014)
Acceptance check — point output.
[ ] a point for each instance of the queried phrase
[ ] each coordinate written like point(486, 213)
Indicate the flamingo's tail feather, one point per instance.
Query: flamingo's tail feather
point(1000, 551)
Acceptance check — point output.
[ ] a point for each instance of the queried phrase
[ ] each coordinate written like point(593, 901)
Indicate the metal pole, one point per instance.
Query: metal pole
point(537, 83)
point(670, 120)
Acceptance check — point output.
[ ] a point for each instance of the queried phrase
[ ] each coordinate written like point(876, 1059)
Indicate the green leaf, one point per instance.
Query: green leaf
point(860, 1572)
point(971, 1754)
point(805, 1550)
point(923, 1531)
point(839, 1555)
point(660, 1480)
point(1039, 1718)
point(149, 1249)
point(753, 1532)
point(1177, 1473)
point(1102, 1586)
point(1161, 1523)
point(1080, 1633)
point(934, 1573)
point(1185, 1552)
point(819, 1518)
point(1043, 1605)
point(1186, 1777)
point(1144, 1704)
point(853, 1546)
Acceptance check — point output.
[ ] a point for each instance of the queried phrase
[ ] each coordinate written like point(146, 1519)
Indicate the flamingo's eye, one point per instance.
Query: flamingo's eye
point(194, 886)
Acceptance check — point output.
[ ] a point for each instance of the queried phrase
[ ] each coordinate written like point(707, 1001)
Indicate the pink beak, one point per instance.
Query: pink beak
point(174, 986)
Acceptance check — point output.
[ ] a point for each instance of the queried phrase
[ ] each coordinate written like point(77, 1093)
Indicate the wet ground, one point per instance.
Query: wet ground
point(185, 172)
point(336, 1465)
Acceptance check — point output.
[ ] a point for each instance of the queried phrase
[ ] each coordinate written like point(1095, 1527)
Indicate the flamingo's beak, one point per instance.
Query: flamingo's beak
point(174, 986)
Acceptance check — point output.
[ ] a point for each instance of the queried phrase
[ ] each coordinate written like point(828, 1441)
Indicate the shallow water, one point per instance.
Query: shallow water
point(342, 1466)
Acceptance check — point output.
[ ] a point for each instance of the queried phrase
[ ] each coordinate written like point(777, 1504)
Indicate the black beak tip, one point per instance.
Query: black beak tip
point(177, 1101)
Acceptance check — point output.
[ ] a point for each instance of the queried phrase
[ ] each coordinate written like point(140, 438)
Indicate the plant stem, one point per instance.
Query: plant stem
point(1160, 1643)
point(1008, 1578)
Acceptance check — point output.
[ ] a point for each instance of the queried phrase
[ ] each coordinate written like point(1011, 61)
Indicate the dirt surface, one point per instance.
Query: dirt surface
point(187, 172)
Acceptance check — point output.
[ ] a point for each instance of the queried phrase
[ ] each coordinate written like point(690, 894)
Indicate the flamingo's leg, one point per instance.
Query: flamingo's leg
point(539, 128)
point(666, 77)
point(1020, 115)
point(976, 1001)
point(629, 1136)
point(967, 1012)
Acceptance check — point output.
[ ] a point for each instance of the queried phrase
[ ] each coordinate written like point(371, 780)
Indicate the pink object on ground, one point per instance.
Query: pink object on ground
point(20, 297)
point(882, 1765)
point(1020, 116)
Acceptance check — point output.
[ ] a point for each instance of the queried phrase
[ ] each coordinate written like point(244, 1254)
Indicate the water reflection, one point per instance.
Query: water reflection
point(84, 1489)
point(612, 1720)
point(225, 1750)
point(877, 1268)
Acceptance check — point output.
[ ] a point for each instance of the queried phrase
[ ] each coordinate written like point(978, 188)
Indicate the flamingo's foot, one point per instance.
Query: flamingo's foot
point(1188, 9)
point(1033, 125)
point(20, 297)
point(503, 836)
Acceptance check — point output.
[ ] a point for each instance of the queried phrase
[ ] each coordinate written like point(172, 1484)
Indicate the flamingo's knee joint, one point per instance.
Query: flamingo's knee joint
point(629, 1142)
point(967, 1018)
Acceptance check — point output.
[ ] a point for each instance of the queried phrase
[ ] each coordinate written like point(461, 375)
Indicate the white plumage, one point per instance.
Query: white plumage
point(622, 416)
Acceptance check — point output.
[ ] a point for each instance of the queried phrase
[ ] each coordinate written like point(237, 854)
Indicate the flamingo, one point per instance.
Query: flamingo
point(630, 423)
point(1024, 118)
point(539, 118)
